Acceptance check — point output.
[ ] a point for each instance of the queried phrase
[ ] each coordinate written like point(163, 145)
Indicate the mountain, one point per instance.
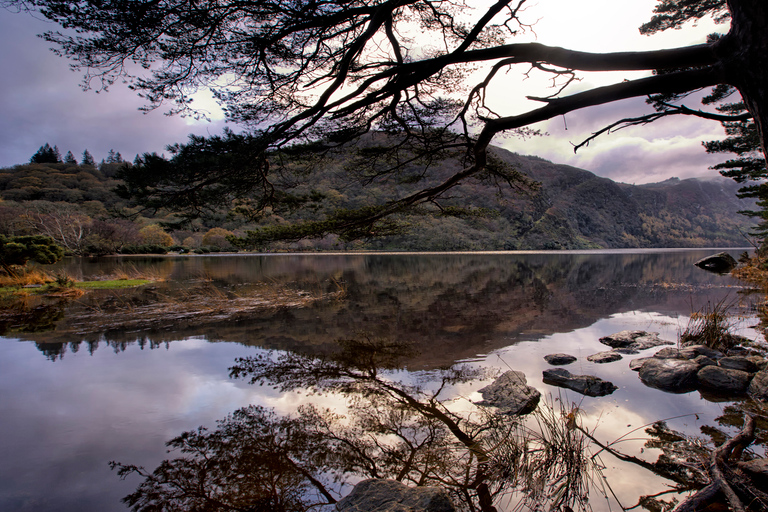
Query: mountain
point(575, 209)
point(572, 209)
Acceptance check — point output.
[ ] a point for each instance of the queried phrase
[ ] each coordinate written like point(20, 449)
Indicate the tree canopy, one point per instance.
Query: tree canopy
point(19, 250)
point(326, 72)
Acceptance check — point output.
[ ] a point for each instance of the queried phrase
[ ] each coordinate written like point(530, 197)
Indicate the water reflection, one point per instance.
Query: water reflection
point(467, 304)
point(409, 431)
point(120, 395)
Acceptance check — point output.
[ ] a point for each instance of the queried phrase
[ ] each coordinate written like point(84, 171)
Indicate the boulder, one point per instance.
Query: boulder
point(758, 388)
point(379, 495)
point(585, 384)
point(689, 352)
point(723, 380)
point(559, 359)
point(636, 364)
point(608, 356)
point(511, 394)
point(760, 362)
point(738, 363)
point(721, 263)
point(676, 375)
point(703, 361)
point(633, 341)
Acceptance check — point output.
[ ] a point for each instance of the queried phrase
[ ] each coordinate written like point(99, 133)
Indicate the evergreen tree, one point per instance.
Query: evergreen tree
point(46, 155)
point(88, 159)
point(119, 158)
point(70, 158)
point(749, 166)
point(111, 157)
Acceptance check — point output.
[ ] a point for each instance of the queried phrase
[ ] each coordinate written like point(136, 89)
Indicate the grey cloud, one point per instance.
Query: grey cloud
point(41, 102)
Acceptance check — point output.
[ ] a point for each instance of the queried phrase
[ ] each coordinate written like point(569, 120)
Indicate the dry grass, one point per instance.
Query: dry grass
point(22, 276)
point(131, 273)
point(712, 326)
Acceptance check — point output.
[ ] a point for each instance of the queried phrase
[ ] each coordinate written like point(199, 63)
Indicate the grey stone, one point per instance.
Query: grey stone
point(760, 362)
point(738, 363)
point(511, 394)
point(674, 353)
point(677, 375)
point(758, 388)
point(721, 262)
point(689, 352)
point(634, 340)
point(559, 359)
point(703, 361)
point(379, 495)
point(703, 350)
point(585, 384)
point(723, 380)
point(608, 356)
point(637, 363)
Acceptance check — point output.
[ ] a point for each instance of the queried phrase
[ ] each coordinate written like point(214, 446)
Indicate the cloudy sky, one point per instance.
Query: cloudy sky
point(41, 102)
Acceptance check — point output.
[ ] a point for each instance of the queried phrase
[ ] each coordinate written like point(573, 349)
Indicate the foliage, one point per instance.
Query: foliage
point(749, 167)
point(154, 234)
point(18, 250)
point(217, 237)
point(312, 77)
point(46, 155)
point(87, 159)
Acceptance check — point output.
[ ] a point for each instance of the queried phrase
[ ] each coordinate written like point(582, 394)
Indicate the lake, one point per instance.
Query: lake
point(107, 378)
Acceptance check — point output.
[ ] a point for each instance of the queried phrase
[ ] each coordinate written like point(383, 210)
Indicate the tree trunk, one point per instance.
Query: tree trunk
point(744, 57)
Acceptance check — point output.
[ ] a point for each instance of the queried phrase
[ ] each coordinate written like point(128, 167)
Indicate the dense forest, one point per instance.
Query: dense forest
point(78, 204)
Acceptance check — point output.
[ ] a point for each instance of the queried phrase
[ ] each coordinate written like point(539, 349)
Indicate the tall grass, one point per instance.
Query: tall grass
point(712, 325)
point(22, 276)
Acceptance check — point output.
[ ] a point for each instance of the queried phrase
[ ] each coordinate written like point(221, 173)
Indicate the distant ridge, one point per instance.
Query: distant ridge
point(576, 209)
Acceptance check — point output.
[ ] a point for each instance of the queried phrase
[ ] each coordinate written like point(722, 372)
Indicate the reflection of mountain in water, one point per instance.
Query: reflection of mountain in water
point(451, 306)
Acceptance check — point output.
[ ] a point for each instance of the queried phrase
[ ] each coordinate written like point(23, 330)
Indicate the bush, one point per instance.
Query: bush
point(144, 249)
point(19, 250)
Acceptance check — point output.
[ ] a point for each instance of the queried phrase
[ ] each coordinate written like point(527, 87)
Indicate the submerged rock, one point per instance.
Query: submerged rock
point(723, 380)
point(379, 495)
point(585, 384)
point(608, 356)
point(559, 359)
point(677, 375)
point(721, 262)
point(511, 394)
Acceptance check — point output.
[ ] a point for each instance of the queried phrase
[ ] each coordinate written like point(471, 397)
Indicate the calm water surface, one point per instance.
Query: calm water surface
point(74, 397)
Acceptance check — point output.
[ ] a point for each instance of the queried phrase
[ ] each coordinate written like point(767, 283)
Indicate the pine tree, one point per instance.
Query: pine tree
point(749, 166)
point(88, 159)
point(46, 155)
point(111, 157)
point(70, 158)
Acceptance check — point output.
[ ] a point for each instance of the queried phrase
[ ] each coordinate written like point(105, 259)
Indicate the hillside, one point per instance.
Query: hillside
point(573, 209)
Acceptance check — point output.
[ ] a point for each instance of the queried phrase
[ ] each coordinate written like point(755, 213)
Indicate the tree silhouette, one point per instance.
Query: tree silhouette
point(331, 71)
point(87, 159)
point(46, 155)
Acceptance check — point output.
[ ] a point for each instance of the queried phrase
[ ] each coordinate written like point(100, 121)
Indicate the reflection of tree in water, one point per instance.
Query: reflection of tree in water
point(466, 304)
point(410, 431)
